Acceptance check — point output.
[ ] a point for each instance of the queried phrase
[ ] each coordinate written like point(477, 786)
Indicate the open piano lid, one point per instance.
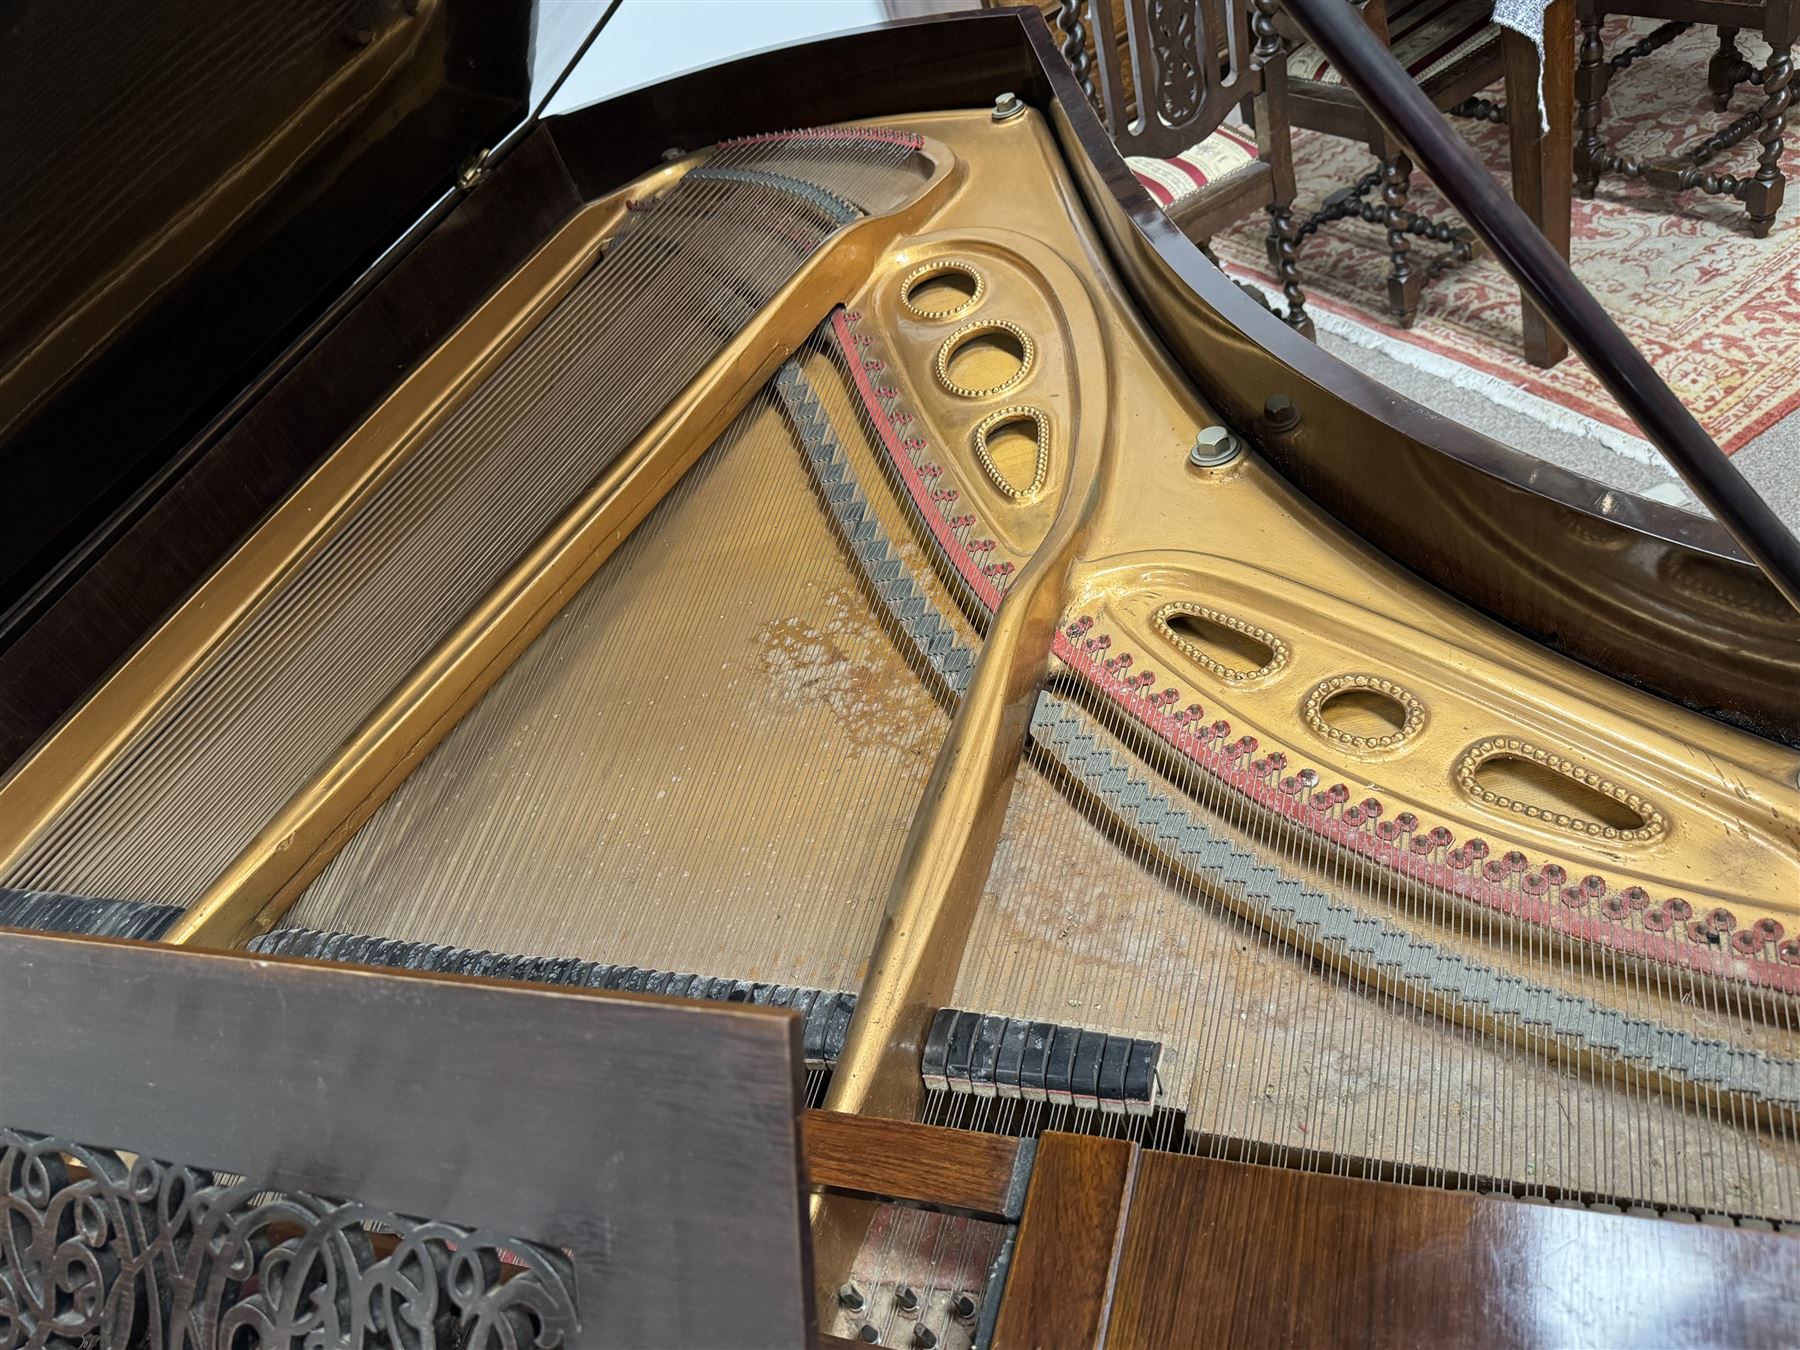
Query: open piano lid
point(190, 188)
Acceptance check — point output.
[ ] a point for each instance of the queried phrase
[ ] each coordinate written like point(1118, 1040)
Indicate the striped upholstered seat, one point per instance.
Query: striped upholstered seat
point(1220, 155)
point(1431, 38)
point(1220, 177)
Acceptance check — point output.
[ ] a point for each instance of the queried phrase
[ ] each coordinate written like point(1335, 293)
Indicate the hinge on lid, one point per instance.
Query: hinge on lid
point(474, 171)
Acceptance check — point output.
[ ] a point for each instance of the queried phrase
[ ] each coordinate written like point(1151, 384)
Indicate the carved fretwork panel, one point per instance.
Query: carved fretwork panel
point(98, 1252)
point(1175, 42)
point(1162, 74)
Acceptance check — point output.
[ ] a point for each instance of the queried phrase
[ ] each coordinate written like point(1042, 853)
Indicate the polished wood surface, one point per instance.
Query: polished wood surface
point(979, 1174)
point(1059, 1289)
point(1543, 163)
point(1222, 1253)
point(164, 246)
point(51, 657)
point(612, 1138)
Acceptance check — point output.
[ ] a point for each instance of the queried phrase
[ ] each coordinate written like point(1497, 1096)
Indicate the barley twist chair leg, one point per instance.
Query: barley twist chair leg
point(1405, 283)
point(1284, 258)
point(1590, 88)
point(1722, 71)
point(1762, 194)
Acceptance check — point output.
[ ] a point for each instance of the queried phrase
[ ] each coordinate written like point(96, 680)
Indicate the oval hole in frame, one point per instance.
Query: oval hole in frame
point(1364, 713)
point(1227, 646)
point(1515, 778)
point(943, 289)
point(984, 358)
point(1013, 446)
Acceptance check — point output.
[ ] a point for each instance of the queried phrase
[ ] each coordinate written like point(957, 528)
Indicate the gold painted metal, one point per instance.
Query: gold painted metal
point(1245, 546)
point(1116, 528)
point(919, 948)
point(1278, 650)
point(1040, 461)
point(258, 887)
point(1724, 829)
point(42, 786)
point(970, 332)
point(1238, 543)
point(943, 267)
point(1322, 693)
point(1119, 530)
point(931, 905)
point(522, 827)
point(1653, 821)
point(1017, 292)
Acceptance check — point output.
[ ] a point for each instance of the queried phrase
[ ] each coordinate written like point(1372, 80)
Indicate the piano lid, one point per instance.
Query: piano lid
point(189, 186)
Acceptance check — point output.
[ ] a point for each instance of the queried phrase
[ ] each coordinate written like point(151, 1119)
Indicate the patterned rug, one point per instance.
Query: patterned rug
point(1713, 309)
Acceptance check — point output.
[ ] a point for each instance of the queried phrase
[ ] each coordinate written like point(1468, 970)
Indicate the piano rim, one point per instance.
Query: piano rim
point(295, 844)
point(1626, 620)
point(1277, 342)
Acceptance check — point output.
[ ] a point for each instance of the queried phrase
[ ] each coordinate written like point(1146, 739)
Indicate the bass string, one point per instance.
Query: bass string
point(214, 746)
point(633, 928)
point(252, 676)
point(310, 595)
point(834, 806)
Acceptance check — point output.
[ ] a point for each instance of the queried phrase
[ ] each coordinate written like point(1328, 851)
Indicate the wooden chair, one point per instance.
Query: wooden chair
point(1761, 192)
point(1201, 58)
point(1453, 49)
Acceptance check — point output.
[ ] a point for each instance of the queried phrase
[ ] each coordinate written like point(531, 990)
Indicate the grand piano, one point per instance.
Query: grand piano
point(766, 713)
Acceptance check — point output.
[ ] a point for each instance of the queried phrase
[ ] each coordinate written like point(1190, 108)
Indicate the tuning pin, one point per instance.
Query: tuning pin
point(924, 1338)
point(868, 1334)
point(962, 1307)
point(850, 1297)
point(907, 1298)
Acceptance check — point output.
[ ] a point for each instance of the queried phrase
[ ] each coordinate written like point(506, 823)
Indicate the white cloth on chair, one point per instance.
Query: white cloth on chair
point(1526, 17)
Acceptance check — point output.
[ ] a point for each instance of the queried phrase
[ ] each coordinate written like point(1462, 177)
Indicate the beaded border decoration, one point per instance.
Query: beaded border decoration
point(1041, 466)
point(1591, 910)
point(1279, 651)
point(1313, 710)
point(1482, 752)
point(942, 267)
point(967, 334)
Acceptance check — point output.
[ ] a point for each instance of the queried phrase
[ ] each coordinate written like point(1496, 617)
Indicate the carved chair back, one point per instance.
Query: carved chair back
point(1164, 74)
